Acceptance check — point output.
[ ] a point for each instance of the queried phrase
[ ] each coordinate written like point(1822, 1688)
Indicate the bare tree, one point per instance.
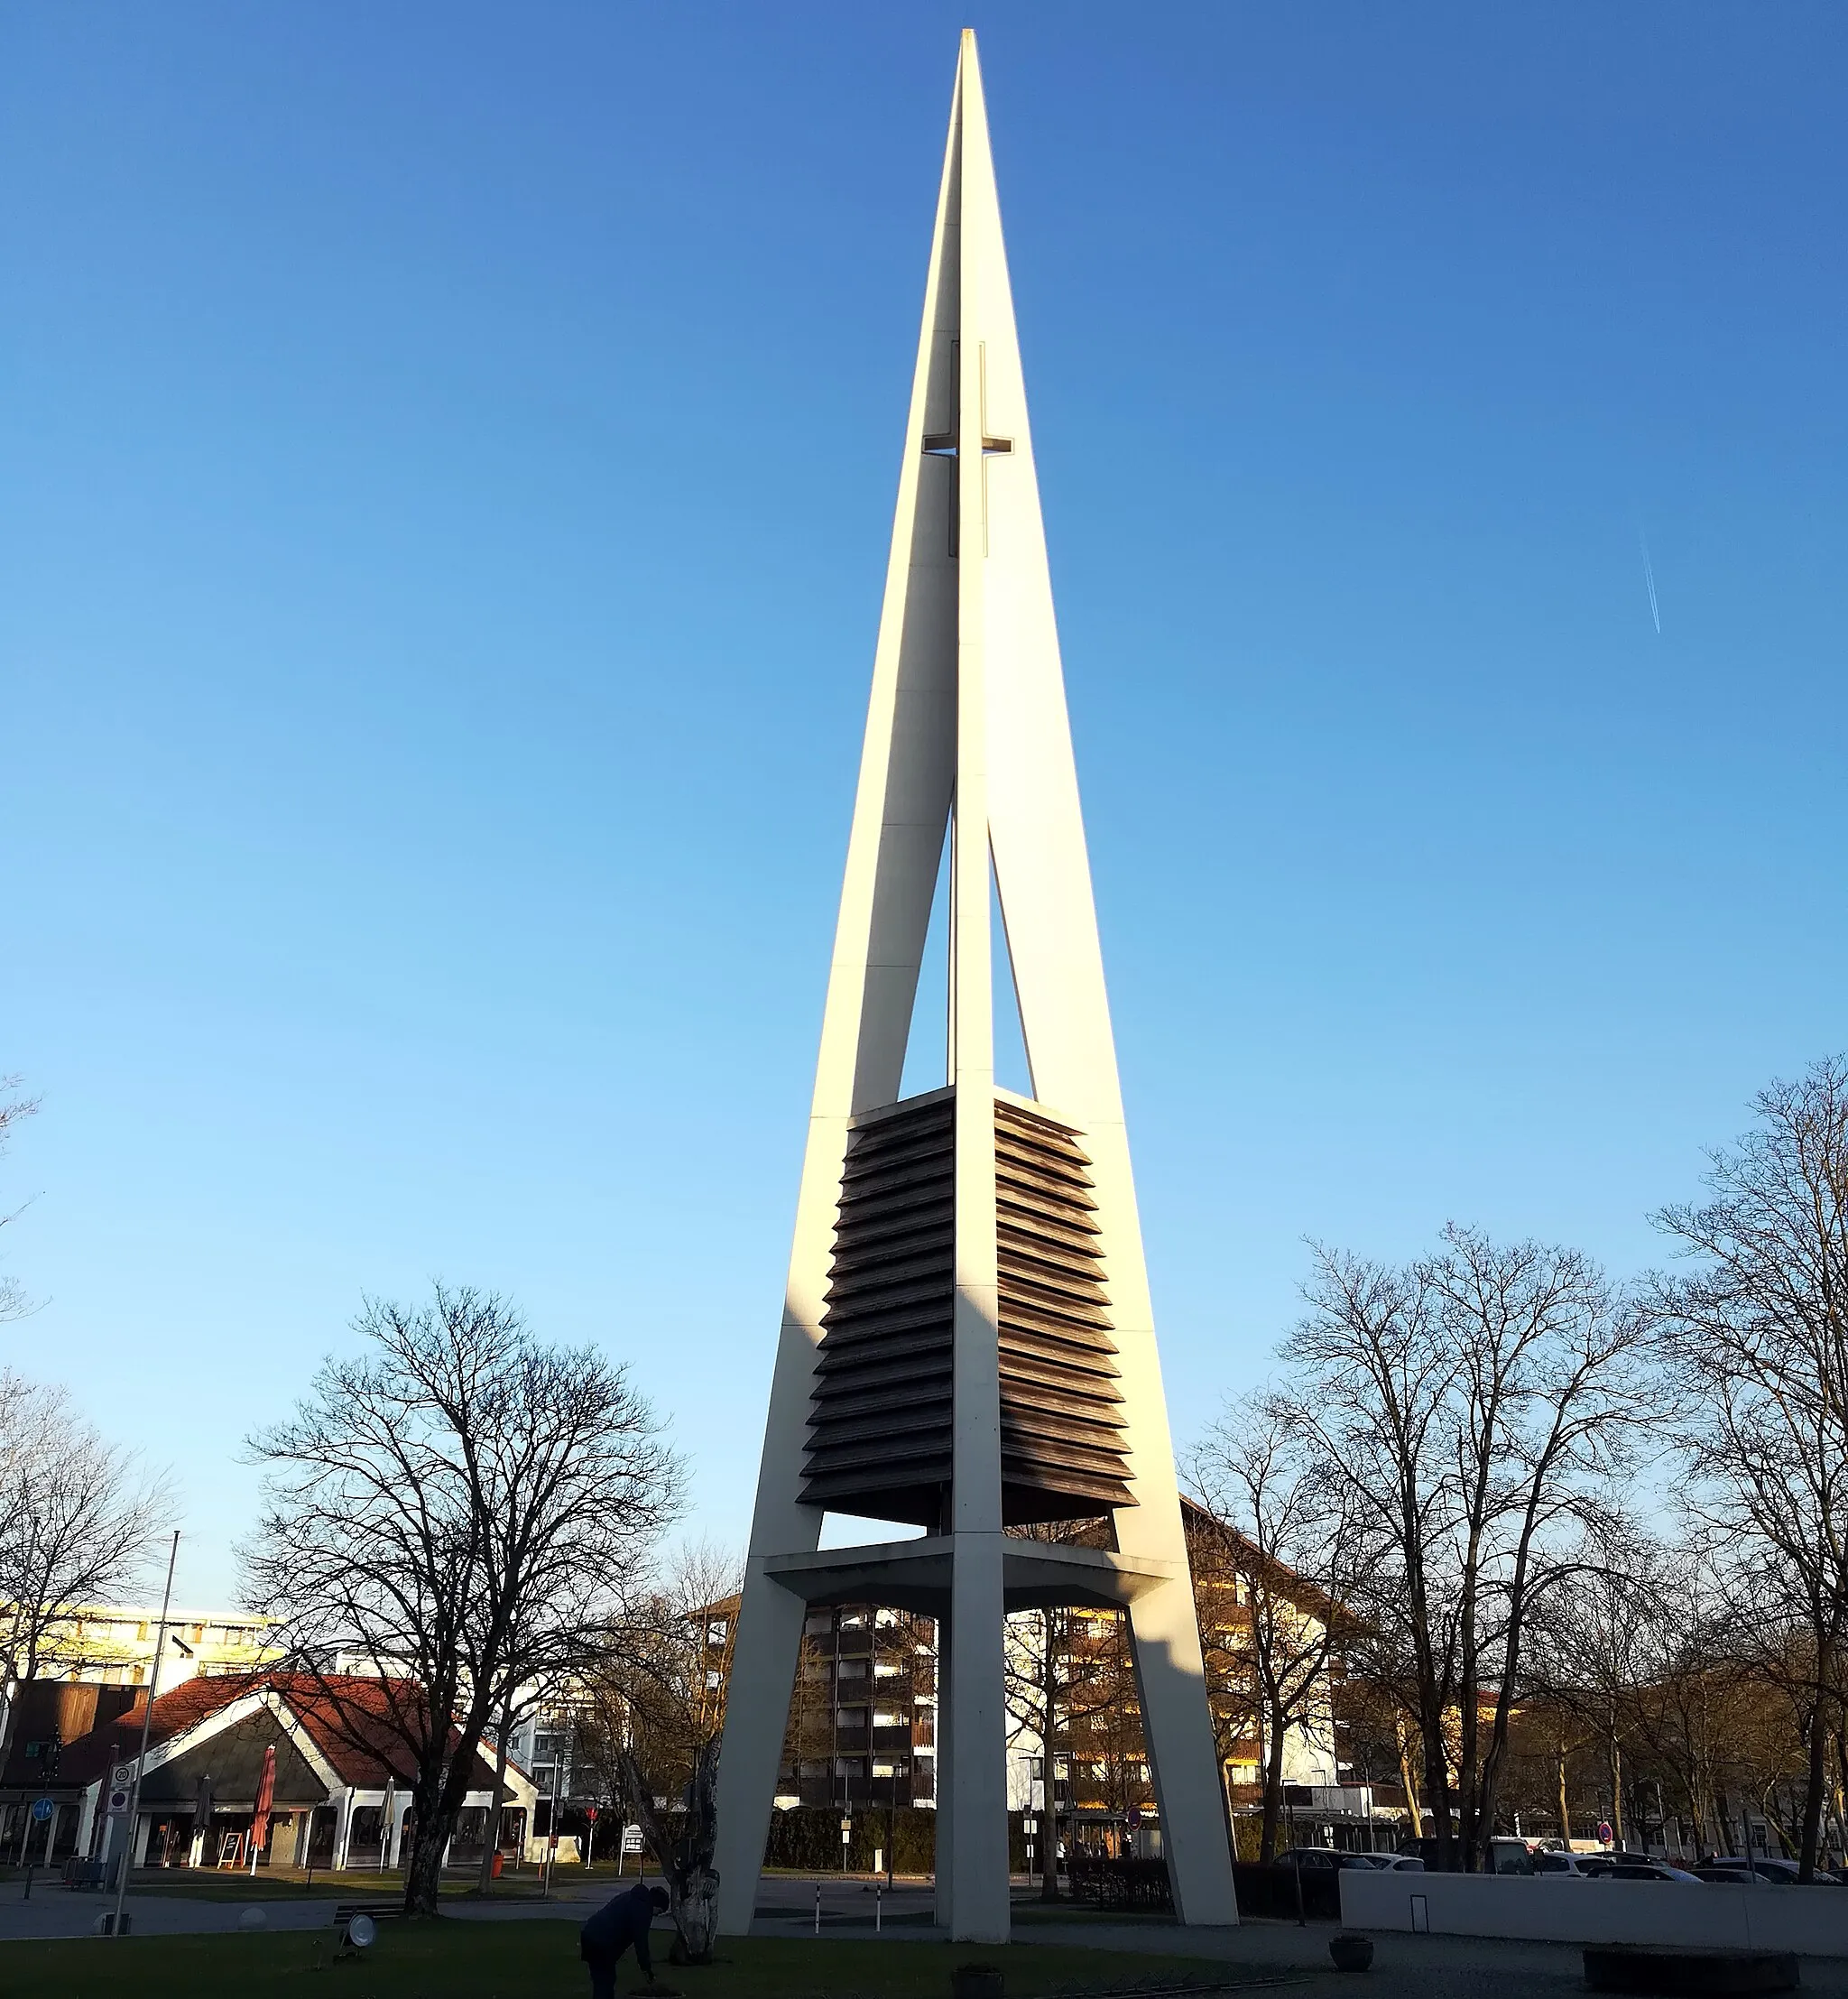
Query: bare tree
point(653, 1719)
point(465, 1512)
point(1477, 1402)
point(1760, 1327)
point(1602, 1644)
point(14, 1110)
point(79, 1518)
point(1064, 1673)
point(1284, 1533)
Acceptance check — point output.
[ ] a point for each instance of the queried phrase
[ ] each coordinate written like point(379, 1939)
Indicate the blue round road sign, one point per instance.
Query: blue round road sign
point(42, 1809)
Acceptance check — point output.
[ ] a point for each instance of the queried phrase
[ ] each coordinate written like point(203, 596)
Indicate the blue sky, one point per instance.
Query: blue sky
point(445, 459)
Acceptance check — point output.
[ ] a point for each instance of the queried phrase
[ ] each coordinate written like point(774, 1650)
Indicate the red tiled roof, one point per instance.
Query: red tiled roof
point(90, 1756)
point(348, 1717)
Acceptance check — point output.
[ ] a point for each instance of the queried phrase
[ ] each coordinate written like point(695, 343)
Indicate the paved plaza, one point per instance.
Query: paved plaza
point(1258, 1954)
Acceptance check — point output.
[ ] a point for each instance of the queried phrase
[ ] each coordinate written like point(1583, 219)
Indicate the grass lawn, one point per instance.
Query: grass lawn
point(539, 1959)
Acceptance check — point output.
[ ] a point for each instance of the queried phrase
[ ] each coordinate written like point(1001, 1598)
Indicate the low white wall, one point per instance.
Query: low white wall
point(1559, 1909)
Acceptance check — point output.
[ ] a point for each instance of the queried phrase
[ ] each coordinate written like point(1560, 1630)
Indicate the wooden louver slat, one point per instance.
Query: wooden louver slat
point(880, 1424)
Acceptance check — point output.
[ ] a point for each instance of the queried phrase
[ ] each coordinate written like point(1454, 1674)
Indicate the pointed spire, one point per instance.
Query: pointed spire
point(952, 1354)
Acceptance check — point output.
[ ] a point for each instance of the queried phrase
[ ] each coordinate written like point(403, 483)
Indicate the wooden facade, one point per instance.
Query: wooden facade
point(879, 1421)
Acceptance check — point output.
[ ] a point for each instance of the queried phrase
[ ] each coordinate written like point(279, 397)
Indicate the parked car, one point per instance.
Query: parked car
point(1601, 1867)
point(1737, 1877)
point(1401, 1862)
point(1307, 1857)
point(1570, 1864)
point(1634, 1868)
point(1784, 1873)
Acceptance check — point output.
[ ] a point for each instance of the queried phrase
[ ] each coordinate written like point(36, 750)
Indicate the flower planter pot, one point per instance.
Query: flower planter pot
point(1351, 1952)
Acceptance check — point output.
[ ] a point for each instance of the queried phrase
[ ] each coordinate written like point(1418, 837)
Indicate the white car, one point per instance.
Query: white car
point(1767, 1867)
point(1552, 1861)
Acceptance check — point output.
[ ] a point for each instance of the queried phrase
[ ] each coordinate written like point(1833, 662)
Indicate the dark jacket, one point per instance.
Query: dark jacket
point(621, 1921)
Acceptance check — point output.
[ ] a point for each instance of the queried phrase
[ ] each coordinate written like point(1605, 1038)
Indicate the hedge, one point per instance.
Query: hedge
point(808, 1838)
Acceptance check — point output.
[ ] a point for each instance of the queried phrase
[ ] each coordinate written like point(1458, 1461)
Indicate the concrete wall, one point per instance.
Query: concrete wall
point(1560, 1909)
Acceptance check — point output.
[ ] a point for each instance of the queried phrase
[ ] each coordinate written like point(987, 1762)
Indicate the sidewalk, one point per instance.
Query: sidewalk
point(1257, 1952)
point(55, 1911)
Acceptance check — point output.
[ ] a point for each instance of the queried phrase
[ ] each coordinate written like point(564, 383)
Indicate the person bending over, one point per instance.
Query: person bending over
point(621, 1921)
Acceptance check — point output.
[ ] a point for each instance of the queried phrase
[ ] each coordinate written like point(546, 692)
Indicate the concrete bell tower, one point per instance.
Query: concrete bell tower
point(967, 1343)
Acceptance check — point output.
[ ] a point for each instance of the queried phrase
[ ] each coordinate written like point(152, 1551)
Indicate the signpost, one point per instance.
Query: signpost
point(43, 1808)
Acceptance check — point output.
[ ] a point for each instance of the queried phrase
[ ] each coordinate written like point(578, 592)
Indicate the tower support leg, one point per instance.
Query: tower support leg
point(1183, 1761)
point(943, 1867)
point(977, 1867)
point(757, 1713)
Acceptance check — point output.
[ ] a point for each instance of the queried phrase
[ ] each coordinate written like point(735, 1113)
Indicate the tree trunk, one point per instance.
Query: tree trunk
point(1565, 1810)
point(424, 1875)
point(1470, 1834)
point(1437, 1781)
point(491, 1841)
point(686, 1864)
point(1048, 1808)
point(1273, 1792)
point(1405, 1775)
point(1616, 1789)
point(1816, 1784)
point(694, 1891)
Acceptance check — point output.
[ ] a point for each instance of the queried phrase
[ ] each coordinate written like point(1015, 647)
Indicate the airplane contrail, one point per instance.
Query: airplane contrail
point(1649, 577)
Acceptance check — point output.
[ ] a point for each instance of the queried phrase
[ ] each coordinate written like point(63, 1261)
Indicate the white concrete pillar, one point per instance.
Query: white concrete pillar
point(977, 1764)
point(1183, 1761)
point(944, 1863)
point(757, 1715)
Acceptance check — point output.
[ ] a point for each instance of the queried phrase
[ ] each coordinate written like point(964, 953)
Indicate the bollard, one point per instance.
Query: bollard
point(817, 1908)
point(878, 1910)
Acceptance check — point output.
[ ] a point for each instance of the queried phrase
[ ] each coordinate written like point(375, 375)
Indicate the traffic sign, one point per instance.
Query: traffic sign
point(43, 1808)
point(118, 1800)
point(120, 1776)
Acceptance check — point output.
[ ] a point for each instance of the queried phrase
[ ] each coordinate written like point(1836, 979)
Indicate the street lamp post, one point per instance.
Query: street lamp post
point(147, 1721)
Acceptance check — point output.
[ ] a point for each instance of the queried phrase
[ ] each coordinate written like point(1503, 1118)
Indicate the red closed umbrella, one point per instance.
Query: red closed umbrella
point(266, 1797)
